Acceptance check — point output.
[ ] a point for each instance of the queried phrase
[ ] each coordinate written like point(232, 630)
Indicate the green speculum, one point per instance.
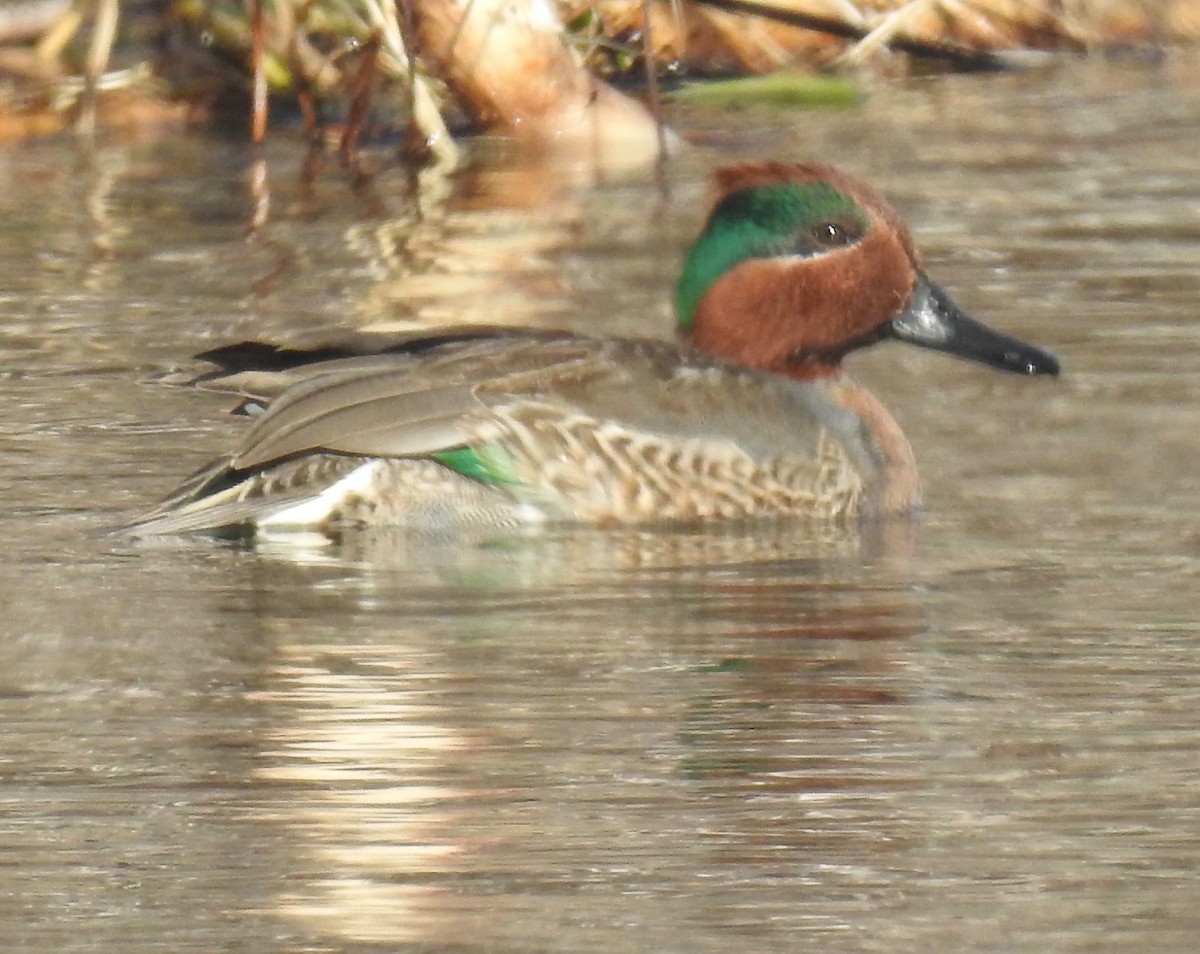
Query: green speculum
point(476, 464)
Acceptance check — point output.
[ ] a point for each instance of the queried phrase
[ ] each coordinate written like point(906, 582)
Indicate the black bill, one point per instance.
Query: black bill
point(933, 321)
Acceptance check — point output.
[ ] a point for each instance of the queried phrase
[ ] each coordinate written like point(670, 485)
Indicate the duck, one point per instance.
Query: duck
point(748, 414)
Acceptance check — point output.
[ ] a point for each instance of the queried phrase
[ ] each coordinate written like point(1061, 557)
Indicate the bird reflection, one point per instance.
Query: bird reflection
point(468, 744)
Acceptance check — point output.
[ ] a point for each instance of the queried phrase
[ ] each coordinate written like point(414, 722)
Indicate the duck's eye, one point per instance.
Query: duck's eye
point(832, 235)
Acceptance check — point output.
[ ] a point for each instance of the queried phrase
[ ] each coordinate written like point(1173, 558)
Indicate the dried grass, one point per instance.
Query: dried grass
point(706, 39)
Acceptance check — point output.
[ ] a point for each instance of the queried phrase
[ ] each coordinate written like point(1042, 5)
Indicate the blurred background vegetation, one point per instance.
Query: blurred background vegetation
point(355, 68)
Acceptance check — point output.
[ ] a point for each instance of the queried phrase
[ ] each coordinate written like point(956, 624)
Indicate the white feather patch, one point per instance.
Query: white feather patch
point(317, 510)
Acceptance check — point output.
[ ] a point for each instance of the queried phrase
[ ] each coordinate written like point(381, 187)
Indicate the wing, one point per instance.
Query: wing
point(406, 406)
point(260, 372)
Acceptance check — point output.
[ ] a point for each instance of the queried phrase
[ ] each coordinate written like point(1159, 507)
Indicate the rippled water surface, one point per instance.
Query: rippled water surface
point(978, 733)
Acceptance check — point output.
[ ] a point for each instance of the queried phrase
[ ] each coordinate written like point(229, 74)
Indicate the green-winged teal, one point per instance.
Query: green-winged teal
point(750, 414)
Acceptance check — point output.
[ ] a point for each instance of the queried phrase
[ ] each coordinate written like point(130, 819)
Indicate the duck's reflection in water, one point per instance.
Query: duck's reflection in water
point(524, 745)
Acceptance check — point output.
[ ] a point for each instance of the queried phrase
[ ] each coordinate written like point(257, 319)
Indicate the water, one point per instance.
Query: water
point(976, 735)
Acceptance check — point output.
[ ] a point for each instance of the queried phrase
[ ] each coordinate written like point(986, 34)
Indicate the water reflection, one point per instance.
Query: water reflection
point(365, 746)
point(566, 555)
point(516, 747)
point(488, 245)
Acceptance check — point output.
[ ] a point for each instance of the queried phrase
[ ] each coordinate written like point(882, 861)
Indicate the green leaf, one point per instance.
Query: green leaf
point(776, 91)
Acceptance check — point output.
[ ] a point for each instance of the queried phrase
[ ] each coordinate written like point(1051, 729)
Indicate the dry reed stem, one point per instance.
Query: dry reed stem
point(711, 40)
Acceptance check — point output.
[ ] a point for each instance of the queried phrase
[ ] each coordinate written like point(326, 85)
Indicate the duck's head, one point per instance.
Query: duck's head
point(800, 264)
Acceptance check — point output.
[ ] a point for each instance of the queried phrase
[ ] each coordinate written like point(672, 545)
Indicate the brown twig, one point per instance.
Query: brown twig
point(360, 100)
point(258, 40)
point(306, 98)
point(652, 82)
point(104, 31)
point(958, 56)
point(415, 148)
